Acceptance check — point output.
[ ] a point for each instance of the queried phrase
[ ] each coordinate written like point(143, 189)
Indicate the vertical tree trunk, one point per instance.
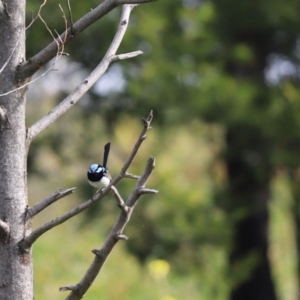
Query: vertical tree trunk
point(249, 177)
point(15, 268)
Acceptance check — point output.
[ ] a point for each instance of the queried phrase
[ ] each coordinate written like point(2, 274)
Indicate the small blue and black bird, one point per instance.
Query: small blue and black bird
point(98, 175)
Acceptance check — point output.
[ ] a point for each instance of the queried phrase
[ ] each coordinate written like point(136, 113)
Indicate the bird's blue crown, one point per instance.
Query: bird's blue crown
point(95, 168)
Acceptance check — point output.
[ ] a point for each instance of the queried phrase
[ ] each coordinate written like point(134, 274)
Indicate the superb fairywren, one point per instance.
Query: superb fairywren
point(98, 175)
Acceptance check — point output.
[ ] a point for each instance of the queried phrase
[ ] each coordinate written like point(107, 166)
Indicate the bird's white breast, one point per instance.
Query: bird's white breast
point(104, 182)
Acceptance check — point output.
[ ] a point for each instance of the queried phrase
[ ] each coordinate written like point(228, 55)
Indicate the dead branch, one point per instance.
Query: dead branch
point(131, 176)
point(34, 210)
point(75, 96)
point(28, 68)
point(116, 234)
point(70, 17)
point(37, 16)
point(119, 199)
point(27, 242)
point(125, 56)
point(147, 126)
point(60, 51)
point(68, 288)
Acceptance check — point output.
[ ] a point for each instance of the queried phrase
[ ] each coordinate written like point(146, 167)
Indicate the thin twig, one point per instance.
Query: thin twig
point(50, 31)
point(31, 81)
point(114, 236)
point(70, 17)
point(142, 137)
point(66, 26)
point(121, 236)
point(144, 191)
point(125, 56)
point(70, 287)
point(119, 199)
point(60, 52)
point(34, 210)
point(75, 96)
point(28, 68)
point(37, 16)
point(131, 176)
point(27, 242)
point(140, 185)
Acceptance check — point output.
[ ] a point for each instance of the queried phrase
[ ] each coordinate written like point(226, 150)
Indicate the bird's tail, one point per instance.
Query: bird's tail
point(106, 152)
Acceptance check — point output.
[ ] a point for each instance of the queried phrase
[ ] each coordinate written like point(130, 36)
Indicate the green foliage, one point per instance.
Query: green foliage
point(172, 225)
point(203, 72)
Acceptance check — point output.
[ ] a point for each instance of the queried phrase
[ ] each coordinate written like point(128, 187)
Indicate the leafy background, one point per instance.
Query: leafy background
point(209, 68)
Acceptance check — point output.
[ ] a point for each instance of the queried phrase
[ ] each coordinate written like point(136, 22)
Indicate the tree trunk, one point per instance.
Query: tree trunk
point(249, 178)
point(16, 280)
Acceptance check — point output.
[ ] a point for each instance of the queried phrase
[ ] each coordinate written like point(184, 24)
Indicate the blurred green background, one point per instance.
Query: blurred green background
point(222, 78)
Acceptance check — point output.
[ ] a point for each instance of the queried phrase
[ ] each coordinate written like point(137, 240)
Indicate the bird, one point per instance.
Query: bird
point(98, 175)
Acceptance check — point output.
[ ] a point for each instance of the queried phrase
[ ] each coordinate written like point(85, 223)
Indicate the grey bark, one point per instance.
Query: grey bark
point(15, 267)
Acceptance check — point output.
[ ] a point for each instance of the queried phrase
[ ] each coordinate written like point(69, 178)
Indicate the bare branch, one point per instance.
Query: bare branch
point(147, 191)
point(27, 242)
point(38, 14)
point(32, 81)
point(28, 68)
point(141, 138)
point(49, 30)
point(68, 288)
point(74, 97)
point(120, 236)
point(131, 176)
point(60, 52)
point(70, 17)
point(34, 210)
point(140, 185)
point(114, 236)
point(119, 199)
point(66, 28)
point(125, 56)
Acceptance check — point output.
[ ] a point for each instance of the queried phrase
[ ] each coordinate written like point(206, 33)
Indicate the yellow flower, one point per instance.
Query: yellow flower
point(168, 298)
point(159, 268)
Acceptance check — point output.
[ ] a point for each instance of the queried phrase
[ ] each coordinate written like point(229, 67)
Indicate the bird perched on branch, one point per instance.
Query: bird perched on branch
point(98, 175)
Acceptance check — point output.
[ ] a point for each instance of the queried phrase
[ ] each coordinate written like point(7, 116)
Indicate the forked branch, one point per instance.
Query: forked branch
point(75, 96)
point(60, 52)
point(116, 234)
point(27, 242)
point(28, 68)
point(34, 210)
